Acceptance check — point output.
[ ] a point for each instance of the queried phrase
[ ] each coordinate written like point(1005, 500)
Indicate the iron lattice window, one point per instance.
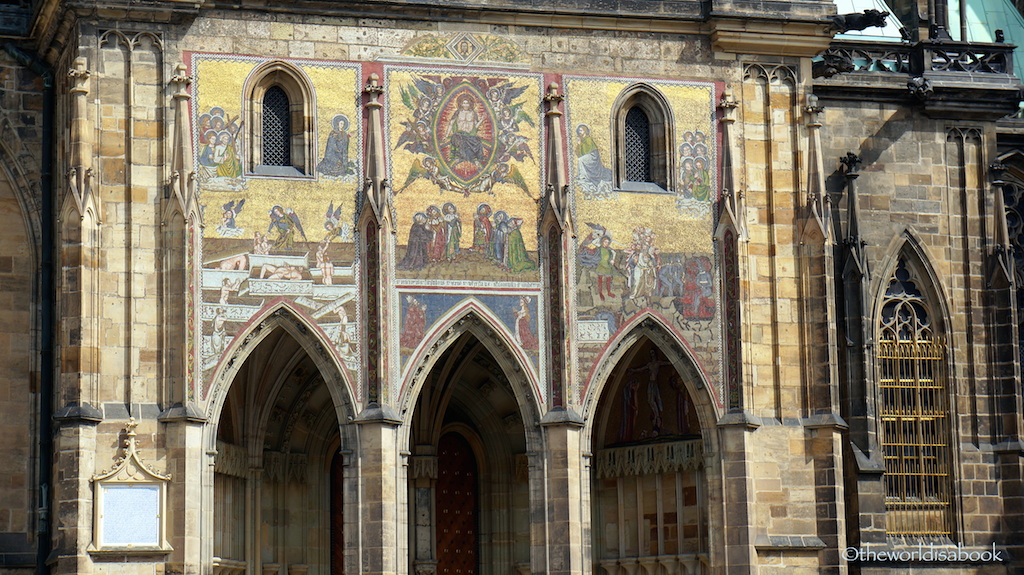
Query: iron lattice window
point(276, 149)
point(638, 146)
point(915, 415)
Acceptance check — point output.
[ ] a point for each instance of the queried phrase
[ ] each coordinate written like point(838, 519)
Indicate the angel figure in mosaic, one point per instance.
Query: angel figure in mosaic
point(285, 222)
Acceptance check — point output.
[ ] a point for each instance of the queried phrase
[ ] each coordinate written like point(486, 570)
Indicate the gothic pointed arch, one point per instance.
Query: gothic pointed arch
point(281, 316)
point(913, 378)
point(280, 113)
point(474, 318)
point(644, 131)
point(659, 331)
point(650, 425)
point(473, 434)
point(282, 424)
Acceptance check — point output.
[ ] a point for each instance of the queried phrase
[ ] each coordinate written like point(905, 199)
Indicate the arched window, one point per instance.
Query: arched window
point(279, 121)
point(276, 128)
point(642, 124)
point(638, 145)
point(914, 410)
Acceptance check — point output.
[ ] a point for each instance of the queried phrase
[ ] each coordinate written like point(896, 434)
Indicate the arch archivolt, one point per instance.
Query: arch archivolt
point(916, 254)
point(474, 318)
point(280, 316)
point(651, 327)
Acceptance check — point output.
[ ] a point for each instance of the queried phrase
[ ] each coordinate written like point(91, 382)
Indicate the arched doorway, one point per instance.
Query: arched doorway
point(649, 492)
point(279, 470)
point(468, 486)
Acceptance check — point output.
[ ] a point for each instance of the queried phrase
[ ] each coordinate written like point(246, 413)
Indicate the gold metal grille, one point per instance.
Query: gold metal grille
point(915, 414)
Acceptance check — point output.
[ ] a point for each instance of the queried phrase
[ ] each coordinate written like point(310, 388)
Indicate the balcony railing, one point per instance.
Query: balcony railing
point(928, 56)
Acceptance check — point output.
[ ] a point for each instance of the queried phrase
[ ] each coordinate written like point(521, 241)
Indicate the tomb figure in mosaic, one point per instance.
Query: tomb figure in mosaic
point(593, 178)
point(418, 247)
point(323, 262)
point(283, 272)
point(336, 162)
point(261, 244)
point(227, 227)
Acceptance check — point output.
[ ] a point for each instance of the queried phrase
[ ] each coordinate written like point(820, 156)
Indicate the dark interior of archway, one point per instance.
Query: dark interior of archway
point(467, 386)
point(280, 410)
point(645, 401)
point(468, 417)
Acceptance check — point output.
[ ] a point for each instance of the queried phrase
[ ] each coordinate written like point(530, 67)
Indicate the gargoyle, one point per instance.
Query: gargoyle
point(859, 21)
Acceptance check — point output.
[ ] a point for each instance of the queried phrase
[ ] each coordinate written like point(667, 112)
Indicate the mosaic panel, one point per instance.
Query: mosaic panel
point(271, 238)
point(466, 164)
point(467, 47)
point(645, 251)
point(422, 309)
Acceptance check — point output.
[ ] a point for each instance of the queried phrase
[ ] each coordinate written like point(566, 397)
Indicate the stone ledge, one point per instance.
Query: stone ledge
point(788, 542)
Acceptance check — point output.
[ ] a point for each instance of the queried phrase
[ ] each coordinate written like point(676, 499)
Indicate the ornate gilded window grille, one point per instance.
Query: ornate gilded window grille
point(276, 128)
point(915, 415)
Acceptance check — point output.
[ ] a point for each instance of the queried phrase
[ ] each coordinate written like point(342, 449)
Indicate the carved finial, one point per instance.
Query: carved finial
point(373, 88)
point(553, 97)
point(812, 108)
point(181, 80)
point(851, 161)
point(727, 104)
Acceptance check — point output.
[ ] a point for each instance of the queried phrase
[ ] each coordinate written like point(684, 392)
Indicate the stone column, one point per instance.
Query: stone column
point(380, 552)
point(564, 476)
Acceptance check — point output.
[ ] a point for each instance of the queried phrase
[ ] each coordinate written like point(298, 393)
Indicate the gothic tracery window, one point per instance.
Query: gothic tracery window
point(914, 409)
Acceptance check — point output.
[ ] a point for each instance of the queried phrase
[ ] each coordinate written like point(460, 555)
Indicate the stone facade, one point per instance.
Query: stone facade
point(619, 287)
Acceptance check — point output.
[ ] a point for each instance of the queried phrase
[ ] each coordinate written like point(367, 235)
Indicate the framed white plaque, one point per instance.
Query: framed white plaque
point(130, 503)
point(130, 515)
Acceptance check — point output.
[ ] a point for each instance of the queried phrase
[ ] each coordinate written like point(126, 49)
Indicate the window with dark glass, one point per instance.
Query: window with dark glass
point(638, 145)
point(276, 128)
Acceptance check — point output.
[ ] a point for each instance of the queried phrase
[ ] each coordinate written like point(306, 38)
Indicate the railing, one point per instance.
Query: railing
point(928, 56)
